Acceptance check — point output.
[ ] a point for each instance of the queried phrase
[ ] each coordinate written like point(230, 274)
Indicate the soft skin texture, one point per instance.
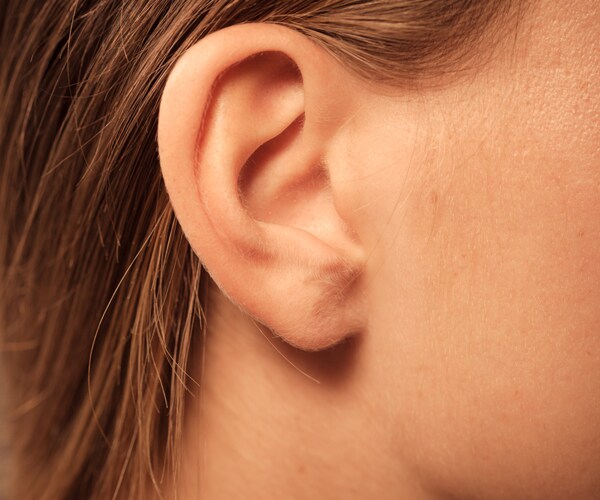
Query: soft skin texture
point(473, 213)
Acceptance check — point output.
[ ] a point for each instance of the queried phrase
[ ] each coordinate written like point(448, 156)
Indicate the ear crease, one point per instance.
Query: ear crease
point(254, 252)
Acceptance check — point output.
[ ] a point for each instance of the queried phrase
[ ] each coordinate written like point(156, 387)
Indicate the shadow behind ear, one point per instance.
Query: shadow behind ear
point(246, 120)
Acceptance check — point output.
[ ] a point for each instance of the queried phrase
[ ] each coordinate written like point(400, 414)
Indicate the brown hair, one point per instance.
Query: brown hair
point(101, 296)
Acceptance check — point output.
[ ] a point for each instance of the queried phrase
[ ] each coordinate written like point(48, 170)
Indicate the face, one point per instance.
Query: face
point(480, 204)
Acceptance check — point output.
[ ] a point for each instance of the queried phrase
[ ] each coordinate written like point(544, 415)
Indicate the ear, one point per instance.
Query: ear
point(247, 120)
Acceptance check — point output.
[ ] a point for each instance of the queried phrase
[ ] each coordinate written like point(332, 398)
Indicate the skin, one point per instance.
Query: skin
point(477, 375)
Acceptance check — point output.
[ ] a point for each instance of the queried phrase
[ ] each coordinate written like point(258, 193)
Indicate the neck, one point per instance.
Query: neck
point(274, 422)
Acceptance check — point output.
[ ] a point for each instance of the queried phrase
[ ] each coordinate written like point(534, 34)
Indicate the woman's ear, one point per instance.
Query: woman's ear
point(247, 121)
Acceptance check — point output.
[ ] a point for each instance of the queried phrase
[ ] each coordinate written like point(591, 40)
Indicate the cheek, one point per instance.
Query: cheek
point(486, 313)
point(489, 327)
point(485, 324)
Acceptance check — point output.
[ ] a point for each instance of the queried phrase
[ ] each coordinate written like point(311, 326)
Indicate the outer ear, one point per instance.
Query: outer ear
point(246, 121)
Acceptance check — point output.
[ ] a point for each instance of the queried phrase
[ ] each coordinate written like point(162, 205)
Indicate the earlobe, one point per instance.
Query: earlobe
point(246, 120)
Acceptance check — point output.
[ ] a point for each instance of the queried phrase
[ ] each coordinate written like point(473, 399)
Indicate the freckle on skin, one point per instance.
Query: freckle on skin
point(434, 198)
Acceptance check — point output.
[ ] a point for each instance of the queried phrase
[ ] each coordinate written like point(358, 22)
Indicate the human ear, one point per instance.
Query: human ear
point(247, 120)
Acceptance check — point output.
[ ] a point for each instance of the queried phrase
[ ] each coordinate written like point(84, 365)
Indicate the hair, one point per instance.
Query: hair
point(101, 296)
